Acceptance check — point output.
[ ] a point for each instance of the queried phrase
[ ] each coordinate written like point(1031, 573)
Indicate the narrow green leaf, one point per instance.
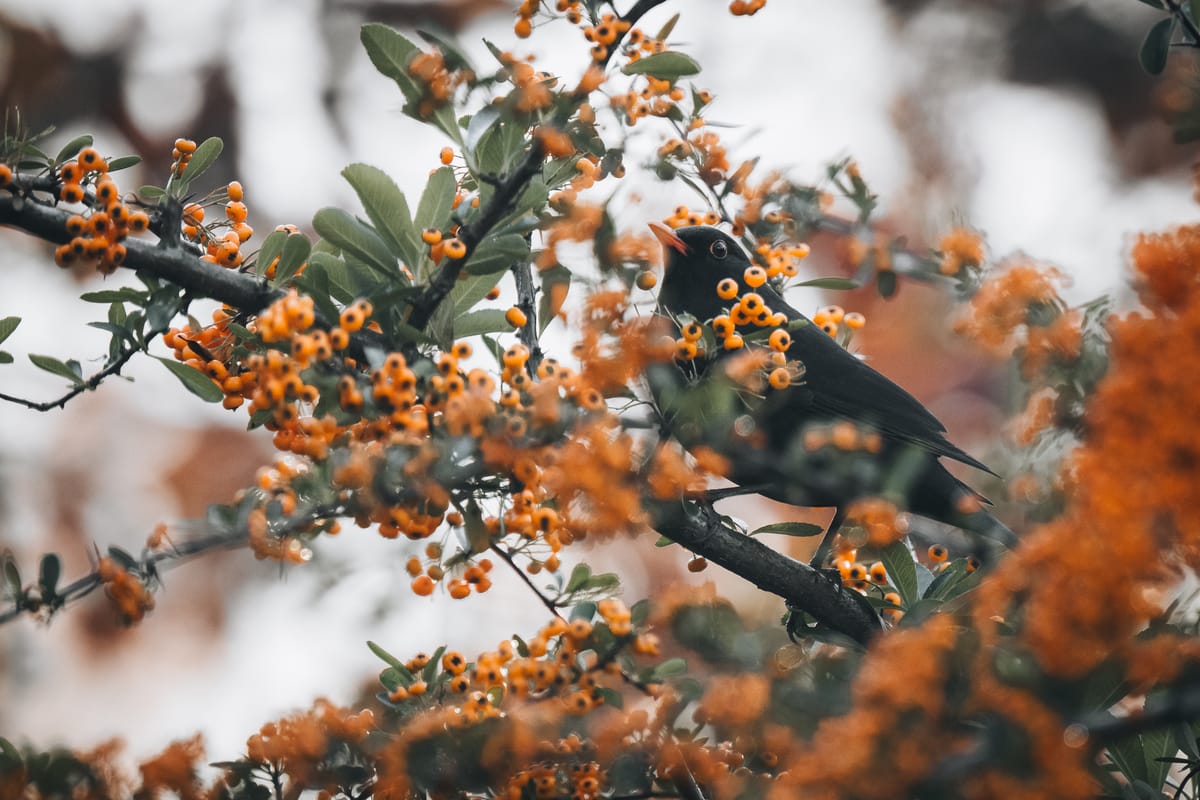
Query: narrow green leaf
point(387, 209)
point(123, 162)
point(390, 53)
point(497, 253)
point(668, 66)
point(53, 365)
point(205, 155)
point(385, 656)
point(579, 576)
point(470, 290)
point(271, 248)
point(6, 357)
point(194, 380)
point(1157, 46)
point(436, 201)
point(663, 541)
point(1158, 745)
point(672, 666)
point(295, 250)
point(114, 296)
point(152, 192)
point(435, 664)
point(354, 236)
point(790, 529)
point(51, 569)
point(12, 575)
point(830, 283)
point(667, 27)
point(72, 148)
point(899, 564)
point(485, 320)
point(7, 326)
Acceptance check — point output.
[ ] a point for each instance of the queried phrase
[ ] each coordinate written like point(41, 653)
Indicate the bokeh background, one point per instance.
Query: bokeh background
point(1030, 121)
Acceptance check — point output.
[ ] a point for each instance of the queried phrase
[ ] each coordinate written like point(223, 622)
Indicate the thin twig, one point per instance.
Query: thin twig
point(508, 559)
point(83, 386)
point(527, 302)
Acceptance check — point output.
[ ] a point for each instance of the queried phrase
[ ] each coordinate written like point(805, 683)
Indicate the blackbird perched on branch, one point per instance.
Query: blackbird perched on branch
point(763, 440)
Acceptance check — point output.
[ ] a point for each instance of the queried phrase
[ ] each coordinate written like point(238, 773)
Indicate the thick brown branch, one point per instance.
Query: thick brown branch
point(700, 530)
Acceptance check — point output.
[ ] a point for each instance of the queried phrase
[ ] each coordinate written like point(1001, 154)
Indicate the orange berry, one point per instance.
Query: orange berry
point(235, 192)
point(685, 350)
point(832, 313)
point(431, 236)
point(755, 277)
point(938, 553)
point(692, 331)
point(516, 317)
point(734, 342)
point(780, 340)
point(493, 293)
point(780, 378)
point(115, 254)
point(854, 320)
point(446, 156)
point(235, 211)
point(697, 564)
point(646, 280)
point(70, 172)
point(6, 176)
point(351, 321)
point(186, 146)
point(727, 289)
point(523, 28)
point(76, 225)
point(830, 328)
point(91, 161)
point(455, 248)
point(71, 193)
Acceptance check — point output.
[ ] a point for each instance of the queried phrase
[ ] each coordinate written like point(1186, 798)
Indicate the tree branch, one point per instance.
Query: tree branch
point(699, 528)
point(527, 302)
point(471, 234)
point(84, 386)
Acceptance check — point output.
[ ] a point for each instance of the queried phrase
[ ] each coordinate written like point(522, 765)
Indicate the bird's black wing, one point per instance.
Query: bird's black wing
point(839, 385)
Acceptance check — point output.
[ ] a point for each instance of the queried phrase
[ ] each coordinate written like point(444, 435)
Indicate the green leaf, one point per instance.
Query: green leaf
point(7, 326)
point(12, 575)
point(1157, 46)
point(790, 529)
point(667, 28)
point(579, 577)
point(830, 283)
point(386, 657)
point(205, 155)
point(53, 365)
point(669, 66)
point(123, 162)
point(194, 380)
point(1158, 745)
point(1194, 8)
point(113, 296)
point(553, 277)
point(152, 192)
point(72, 148)
point(295, 251)
point(903, 575)
point(6, 357)
point(387, 209)
point(469, 291)
point(435, 664)
point(390, 53)
point(485, 320)
point(663, 541)
point(496, 254)
point(272, 246)
point(51, 569)
point(672, 666)
point(354, 236)
point(436, 201)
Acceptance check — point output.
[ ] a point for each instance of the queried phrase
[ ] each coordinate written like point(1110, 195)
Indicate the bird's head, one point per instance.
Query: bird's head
point(697, 259)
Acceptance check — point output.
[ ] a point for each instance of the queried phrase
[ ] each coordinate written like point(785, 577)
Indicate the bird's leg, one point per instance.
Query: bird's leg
point(826, 547)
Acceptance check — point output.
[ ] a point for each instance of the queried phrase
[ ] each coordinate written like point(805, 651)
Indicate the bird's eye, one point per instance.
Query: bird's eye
point(719, 249)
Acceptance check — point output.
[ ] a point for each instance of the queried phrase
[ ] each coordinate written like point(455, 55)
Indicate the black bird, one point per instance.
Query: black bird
point(835, 386)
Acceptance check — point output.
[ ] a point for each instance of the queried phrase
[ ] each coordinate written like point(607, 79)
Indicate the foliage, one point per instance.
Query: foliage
point(401, 400)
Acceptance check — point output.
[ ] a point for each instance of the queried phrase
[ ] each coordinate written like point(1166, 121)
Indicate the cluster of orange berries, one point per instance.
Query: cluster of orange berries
point(830, 317)
point(684, 217)
point(843, 435)
point(224, 249)
point(427, 575)
point(582, 781)
point(441, 247)
point(438, 81)
point(298, 743)
point(127, 592)
point(960, 248)
point(605, 34)
point(746, 8)
point(99, 235)
point(656, 99)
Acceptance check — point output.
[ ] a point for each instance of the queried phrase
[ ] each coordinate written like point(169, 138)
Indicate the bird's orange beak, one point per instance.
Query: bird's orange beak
point(668, 237)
